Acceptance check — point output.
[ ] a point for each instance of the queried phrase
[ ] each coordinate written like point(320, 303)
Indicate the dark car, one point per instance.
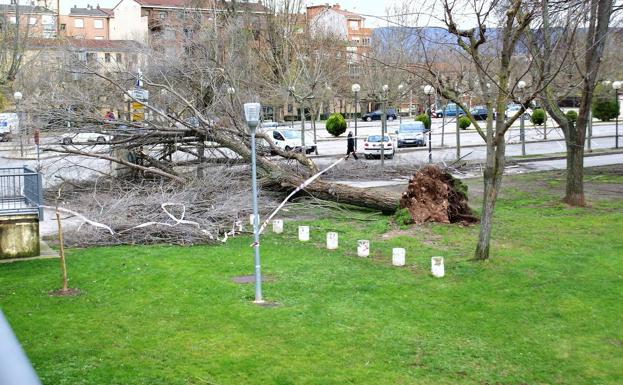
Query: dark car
point(376, 115)
point(479, 112)
point(450, 109)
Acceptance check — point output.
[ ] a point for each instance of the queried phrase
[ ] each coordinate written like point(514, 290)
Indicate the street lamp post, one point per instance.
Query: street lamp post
point(617, 86)
point(356, 88)
point(18, 98)
point(400, 88)
point(252, 115)
point(522, 132)
point(428, 90)
point(385, 88)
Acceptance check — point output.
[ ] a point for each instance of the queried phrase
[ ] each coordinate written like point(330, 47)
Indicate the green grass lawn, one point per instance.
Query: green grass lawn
point(547, 308)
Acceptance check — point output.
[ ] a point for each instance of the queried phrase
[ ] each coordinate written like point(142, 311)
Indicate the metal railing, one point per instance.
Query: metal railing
point(20, 191)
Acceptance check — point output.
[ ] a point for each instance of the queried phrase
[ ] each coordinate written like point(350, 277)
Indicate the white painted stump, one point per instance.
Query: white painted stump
point(398, 256)
point(436, 266)
point(278, 226)
point(363, 248)
point(332, 240)
point(303, 233)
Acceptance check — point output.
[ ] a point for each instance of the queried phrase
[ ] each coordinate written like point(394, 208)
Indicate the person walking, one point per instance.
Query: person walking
point(350, 146)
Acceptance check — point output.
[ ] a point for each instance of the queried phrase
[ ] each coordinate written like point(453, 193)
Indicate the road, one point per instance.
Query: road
point(472, 149)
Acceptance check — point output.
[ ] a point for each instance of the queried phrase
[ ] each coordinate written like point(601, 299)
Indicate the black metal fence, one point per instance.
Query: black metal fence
point(20, 191)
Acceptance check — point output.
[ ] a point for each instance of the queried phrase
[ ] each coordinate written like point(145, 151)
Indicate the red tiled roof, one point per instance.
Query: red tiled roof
point(203, 4)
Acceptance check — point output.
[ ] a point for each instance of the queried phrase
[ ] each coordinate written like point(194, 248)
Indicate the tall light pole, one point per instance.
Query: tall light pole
point(252, 115)
point(522, 132)
point(18, 98)
point(428, 90)
point(356, 88)
point(617, 86)
point(400, 88)
point(384, 90)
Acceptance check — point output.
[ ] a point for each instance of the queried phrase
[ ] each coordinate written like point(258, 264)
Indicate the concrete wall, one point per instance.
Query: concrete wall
point(128, 23)
point(19, 236)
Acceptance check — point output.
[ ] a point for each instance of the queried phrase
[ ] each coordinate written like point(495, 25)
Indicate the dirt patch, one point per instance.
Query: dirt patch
point(64, 293)
point(243, 279)
point(434, 195)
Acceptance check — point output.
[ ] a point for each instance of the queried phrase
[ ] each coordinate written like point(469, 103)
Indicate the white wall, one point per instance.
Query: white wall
point(330, 22)
point(128, 24)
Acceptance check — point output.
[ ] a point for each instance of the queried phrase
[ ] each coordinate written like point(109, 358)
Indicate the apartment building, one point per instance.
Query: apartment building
point(87, 23)
point(346, 25)
point(149, 20)
point(33, 20)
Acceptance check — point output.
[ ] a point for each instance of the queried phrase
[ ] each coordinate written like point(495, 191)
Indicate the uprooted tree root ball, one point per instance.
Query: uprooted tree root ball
point(434, 195)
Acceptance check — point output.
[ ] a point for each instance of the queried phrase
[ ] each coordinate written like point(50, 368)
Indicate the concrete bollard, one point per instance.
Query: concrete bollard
point(278, 226)
point(436, 266)
point(332, 240)
point(303, 233)
point(363, 248)
point(398, 256)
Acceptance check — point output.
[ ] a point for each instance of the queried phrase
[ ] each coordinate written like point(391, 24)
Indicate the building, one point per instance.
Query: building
point(348, 26)
point(86, 23)
point(34, 21)
point(146, 20)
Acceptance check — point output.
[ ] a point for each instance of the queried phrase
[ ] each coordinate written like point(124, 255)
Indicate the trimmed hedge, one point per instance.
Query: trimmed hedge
point(424, 119)
point(336, 124)
point(572, 116)
point(538, 116)
point(464, 122)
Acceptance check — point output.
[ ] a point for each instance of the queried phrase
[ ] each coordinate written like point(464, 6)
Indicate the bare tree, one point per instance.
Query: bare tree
point(561, 27)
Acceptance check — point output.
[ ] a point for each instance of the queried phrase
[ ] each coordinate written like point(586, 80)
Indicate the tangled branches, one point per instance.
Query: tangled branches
point(149, 212)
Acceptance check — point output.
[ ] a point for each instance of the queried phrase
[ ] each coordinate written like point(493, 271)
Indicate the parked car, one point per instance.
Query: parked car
point(8, 123)
point(513, 109)
point(290, 140)
point(85, 137)
point(411, 134)
point(372, 147)
point(479, 112)
point(451, 109)
point(378, 114)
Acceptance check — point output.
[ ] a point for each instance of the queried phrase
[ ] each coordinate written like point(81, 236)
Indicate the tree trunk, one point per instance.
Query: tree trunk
point(385, 202)
point(492, 182)
point(574, 193)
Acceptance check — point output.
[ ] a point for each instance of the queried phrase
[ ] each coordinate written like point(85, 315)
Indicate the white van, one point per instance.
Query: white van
point(290, 140)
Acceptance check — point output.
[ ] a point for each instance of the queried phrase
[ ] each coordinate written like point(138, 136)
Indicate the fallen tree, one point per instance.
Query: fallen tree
point(434, 195)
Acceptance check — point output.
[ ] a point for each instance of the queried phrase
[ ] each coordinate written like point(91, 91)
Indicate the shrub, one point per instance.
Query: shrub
point(464, 122)
point(336, 124)
point(572, 116)
point(605, 109)
point(538, 117)
point(424, 119)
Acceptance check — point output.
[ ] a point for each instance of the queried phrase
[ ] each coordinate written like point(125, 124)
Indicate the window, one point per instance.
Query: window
point(79, 23)
point(99, 37)
point(98, 24)
point(91, 57)
point(354, 25)
point(107, 57)
point(63, 27)
point(32, 20)
point(277, 136)
point(118, 58)
point(162, 15)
